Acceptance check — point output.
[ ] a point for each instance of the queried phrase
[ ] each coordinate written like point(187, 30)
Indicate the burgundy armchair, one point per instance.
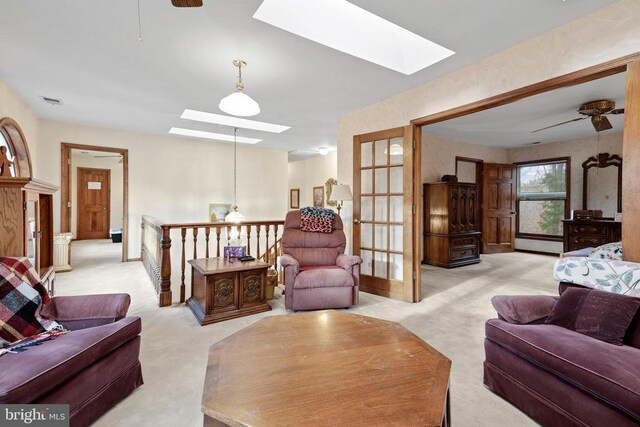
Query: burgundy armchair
point(317, 273)
point(91, 368)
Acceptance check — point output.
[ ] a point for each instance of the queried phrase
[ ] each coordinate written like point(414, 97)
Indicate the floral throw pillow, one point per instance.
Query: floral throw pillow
point(611, 251)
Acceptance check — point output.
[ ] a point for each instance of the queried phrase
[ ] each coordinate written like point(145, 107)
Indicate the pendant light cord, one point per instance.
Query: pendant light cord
point(240, 85)
point(235, 168)
point(139, 24)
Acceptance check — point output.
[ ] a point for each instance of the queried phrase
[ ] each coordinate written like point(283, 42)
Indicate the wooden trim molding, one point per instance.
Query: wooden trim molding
point(595, 72)
point(65, 185)
point(542, 237)
point(631, 158)
point(14, 136)
point(527, 251)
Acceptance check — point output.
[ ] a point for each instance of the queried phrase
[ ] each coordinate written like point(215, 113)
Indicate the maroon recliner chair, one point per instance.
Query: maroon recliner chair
point(317, 273)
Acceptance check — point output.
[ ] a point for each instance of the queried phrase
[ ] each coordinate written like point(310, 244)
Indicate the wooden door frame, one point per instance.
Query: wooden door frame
point(78, 168)
point(65, 188)
point(605, 69)
point(588, 74)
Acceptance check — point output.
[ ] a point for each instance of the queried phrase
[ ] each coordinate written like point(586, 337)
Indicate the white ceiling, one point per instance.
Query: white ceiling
point(87, 53)
point(511, 125)
point(106, 158)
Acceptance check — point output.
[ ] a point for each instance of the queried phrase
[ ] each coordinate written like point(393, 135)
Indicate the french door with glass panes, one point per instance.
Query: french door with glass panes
point(384, 213)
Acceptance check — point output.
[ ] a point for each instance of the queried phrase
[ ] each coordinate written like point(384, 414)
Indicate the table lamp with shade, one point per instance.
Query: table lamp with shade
point(340, 194)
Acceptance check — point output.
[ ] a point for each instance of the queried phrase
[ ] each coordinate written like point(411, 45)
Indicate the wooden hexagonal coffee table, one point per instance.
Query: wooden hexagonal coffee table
point(325, 367)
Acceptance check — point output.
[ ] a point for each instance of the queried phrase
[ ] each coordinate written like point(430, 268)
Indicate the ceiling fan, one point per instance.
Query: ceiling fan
point(186, 3)
point(597, 111)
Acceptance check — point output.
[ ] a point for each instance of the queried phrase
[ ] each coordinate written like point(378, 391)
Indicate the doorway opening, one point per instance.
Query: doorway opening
point(526, 139)
point(94, 195)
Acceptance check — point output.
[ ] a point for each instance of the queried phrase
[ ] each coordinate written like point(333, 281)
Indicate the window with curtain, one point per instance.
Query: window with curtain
point(542, 198)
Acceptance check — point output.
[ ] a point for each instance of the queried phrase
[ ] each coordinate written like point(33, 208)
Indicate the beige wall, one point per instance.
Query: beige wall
point(116, 186)
point(313, 172)
point(439, 155)
point(554, 53)
point(170, 178)
point(13, 107)
point(175, 179)
point(438, 158)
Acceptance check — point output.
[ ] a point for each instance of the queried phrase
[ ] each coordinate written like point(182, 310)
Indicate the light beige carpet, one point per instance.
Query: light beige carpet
point(174, 351)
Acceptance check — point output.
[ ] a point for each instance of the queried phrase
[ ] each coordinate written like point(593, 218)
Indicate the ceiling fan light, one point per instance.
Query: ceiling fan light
point(239, 104)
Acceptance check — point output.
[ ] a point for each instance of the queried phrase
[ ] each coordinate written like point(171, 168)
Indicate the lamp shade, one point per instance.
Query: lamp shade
point(340, 193)
point(239, 104)
point(234, 217)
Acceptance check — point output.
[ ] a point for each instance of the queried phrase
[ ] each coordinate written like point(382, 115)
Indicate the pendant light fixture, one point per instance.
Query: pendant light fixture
point(239, 103)
point(234, 216)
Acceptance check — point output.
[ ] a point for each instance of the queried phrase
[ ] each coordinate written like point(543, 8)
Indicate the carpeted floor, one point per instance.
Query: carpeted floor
point(174, 351)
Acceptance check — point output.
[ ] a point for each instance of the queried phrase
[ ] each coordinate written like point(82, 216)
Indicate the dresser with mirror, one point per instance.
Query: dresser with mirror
point(601, 191)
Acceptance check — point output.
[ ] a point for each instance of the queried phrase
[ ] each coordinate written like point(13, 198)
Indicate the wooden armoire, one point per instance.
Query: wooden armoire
point(26, 206)
point(26, 224)
point(451, 224)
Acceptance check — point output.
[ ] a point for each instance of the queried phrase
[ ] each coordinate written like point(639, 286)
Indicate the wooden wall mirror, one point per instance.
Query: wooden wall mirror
point(602, 184)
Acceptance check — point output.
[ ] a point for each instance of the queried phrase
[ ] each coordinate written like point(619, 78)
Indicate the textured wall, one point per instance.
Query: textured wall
point(554, 53)
point(439, 155)
point(313, 172)
point(12, 106)
point(175, 179)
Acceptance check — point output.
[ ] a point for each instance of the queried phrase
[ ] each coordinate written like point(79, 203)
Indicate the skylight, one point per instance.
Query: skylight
point(348, 28)
point(236, 122)
point(210, 135)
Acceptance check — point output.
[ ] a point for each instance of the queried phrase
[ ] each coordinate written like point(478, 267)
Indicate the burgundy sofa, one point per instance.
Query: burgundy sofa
point(317, 273)
point(91, 368)
point(560, 377)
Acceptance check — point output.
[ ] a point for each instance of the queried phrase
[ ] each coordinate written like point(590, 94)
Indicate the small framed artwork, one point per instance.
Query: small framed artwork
point(318, 197)
point(294, 198)
point(218, 211)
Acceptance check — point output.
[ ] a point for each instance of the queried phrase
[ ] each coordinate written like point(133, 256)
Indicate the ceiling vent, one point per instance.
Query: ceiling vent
point(52, 101)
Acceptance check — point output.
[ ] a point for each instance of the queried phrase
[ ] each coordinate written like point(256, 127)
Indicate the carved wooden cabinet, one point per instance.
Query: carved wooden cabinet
point(451, 224)
point(26, 224)
point(584, 233)
point(224, 289)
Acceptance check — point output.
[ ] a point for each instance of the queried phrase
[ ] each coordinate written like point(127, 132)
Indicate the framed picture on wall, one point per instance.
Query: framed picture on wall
point(318, 197)
point(294, 198)
point(218, 211)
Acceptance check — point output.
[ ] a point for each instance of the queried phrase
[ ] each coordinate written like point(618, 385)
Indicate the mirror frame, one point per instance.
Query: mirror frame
point(602, 160)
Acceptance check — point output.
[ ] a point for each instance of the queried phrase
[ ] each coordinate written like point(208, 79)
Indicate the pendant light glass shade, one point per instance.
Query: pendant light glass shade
point(234, 216)
point(239, 104)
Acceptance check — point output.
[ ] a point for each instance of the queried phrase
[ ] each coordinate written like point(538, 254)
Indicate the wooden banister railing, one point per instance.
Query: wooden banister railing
point(157, 250)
